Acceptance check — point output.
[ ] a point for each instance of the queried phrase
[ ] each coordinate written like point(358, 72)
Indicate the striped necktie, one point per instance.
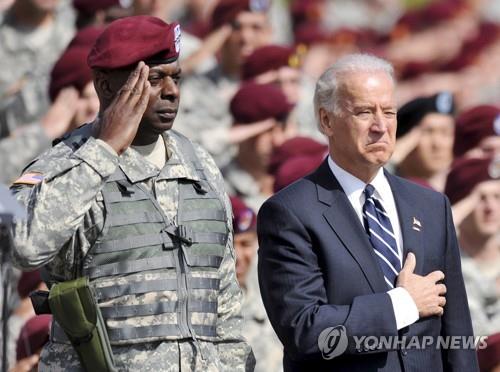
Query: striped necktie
point(379, 229)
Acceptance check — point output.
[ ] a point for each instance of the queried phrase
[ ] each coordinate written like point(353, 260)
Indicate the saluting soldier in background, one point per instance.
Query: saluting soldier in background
point(33, 34)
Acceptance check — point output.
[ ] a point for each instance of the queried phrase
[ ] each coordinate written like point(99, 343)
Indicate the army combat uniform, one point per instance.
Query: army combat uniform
point(204, 113)
point(257, 328)
point(27, 59)
point(239, 182)
point(32, 139)
point(156, 245)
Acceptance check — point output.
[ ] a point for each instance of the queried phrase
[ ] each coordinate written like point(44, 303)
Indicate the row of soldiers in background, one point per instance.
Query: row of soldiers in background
point(247, 98)
point(412, 41)
point(217, 56)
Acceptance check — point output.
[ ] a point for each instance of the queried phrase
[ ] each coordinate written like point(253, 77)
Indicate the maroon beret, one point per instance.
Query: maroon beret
point(244, 218)
point(28, 282)
point(34, 334)
point(86, 37)
point(268, 58)
point(257, 102)
point(489, 357)
point(443, 10)
point(296, 168)
point(92, 6)
point(227, 10)
point(297, 146)
point(306, 11)
point(70, 70)
point(362, 37)
point(433, 13)
point(466, 173)
point(487, 34)
point(313, 33)
point(413, 69)
point(473, 126)
point(310, 33)
point(129, 40)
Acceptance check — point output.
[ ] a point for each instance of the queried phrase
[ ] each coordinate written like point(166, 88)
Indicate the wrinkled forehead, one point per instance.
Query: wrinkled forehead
point(367, 78)
point(377, 86)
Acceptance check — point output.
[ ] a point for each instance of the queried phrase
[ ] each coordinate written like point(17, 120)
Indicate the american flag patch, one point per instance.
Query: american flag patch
point(29, 179)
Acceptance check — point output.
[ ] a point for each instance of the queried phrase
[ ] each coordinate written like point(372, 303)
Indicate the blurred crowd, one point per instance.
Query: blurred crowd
point(249, 69)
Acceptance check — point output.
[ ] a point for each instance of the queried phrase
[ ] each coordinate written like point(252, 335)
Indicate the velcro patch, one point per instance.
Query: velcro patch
point(29, 179)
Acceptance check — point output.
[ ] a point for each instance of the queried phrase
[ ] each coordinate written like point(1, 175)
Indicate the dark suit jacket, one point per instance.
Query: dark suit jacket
point(317, 269)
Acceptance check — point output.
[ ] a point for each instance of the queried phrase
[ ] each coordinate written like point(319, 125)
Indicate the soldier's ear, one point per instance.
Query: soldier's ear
point(102, 85)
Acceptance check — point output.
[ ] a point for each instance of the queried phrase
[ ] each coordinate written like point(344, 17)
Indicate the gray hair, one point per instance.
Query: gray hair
point(325, 93)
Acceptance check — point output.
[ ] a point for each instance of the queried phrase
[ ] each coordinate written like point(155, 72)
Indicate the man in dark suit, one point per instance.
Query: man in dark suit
point(350, 255)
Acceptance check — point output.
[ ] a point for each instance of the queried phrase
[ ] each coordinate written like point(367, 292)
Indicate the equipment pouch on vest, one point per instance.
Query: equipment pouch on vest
point(74, 307)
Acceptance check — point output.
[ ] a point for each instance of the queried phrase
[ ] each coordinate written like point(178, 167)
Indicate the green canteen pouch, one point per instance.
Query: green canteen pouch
point(74, 307)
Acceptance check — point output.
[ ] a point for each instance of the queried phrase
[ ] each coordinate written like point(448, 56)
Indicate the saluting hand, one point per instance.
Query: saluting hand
point(57, 121)
point(120, 121)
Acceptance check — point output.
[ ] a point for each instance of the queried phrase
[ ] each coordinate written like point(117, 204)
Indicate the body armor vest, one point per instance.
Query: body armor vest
point(182, 257)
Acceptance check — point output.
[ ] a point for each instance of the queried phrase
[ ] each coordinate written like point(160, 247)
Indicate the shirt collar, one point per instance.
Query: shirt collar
point(177, 165)
point(351, 185)
point(382, 187)
point(354, 187)
point(137, 168)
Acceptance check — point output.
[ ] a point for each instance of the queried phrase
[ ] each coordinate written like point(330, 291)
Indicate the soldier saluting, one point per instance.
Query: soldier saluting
point(140, 211)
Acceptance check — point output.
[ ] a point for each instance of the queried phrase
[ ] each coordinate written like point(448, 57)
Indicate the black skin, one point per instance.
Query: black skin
point(137, 105)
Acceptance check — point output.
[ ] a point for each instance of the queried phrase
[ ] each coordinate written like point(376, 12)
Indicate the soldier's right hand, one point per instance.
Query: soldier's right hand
point(427, 294)
point(58, 119)
point(120, 121)
point(240, 133)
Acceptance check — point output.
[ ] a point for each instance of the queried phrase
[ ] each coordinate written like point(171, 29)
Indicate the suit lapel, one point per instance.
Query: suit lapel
point(345, 223)
point(410, 220)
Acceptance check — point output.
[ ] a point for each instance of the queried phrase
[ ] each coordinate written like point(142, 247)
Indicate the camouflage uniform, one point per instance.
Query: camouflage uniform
point(303, 112)
point(258, 330)
point(66, 215)
point(239, 182)
point(26, 60)
point(31, 139)
point(483, 296)
point(204, 113)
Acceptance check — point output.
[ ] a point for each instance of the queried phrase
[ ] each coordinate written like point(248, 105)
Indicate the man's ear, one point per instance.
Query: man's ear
point(102, 86)
point(325, 122)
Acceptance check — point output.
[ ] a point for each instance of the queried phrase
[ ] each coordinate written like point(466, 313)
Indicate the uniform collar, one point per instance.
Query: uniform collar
point(137, 168)
point(16, 40)
point(177, 165)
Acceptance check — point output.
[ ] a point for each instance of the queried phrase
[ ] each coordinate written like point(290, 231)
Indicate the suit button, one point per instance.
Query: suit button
point(404, 352)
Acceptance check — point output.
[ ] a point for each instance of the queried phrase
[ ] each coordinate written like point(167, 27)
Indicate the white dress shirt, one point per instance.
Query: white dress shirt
point(405, 310)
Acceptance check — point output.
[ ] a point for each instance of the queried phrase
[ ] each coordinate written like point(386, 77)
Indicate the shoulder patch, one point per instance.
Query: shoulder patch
point(29, 179)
